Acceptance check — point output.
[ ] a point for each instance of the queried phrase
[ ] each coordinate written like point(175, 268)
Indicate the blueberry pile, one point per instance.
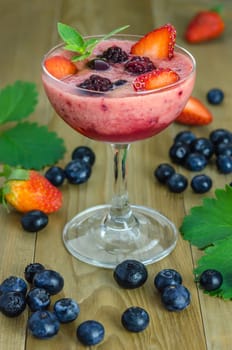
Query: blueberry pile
point(130, 274)
point(194, 154)
point(44, 322)
point(35, 292)
point(77, 171)
point(174, 296)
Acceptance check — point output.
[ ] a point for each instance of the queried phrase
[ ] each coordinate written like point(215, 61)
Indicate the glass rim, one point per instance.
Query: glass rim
point(177, 48)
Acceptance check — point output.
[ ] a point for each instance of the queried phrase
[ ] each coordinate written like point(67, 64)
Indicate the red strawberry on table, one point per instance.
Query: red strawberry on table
point(194, 113)
point(158, 43)
point(205, 25)
point(59, 66)
point(155, 79)
point(27, 190)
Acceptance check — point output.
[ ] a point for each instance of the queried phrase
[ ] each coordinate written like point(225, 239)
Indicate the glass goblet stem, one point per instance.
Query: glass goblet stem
point(120, 214)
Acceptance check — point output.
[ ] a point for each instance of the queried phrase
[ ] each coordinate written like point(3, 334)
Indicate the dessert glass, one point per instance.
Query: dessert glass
point(107, 234)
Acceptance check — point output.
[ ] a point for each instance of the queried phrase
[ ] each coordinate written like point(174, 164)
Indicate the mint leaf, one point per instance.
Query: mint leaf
point(115, 31)
point(70, 35)
point(210, 222)
point(17, 101)
point(218, 257)
point(75, 42)
point(30, 146)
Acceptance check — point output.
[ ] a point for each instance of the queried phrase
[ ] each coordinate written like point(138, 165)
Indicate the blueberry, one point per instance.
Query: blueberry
point(224, 149)
point(13, 284)
point(119, 82)
point(85, 154)
point(135, 319)
point(90, 332)
point(203, 146)
point(50, 280)
point(167, 277)
point(195, 162)
point(130, 274)
point(66, 310)
point(175, 298)
point(178, 152)
point(12, 304)
point(43, 324)
point(201, 183)
point(215, 96)
point(185, 136)
point(38, 299)
point(163, 172)
point(34, 221)
point(31, 270)
point(55, 175)
point(77, 171)
point(210, 279)
point(98, 64)
point(224, 164)
point(177, 183)
point(220, 135)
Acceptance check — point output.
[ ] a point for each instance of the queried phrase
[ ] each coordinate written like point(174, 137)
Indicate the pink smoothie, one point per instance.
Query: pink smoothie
point(121, 115)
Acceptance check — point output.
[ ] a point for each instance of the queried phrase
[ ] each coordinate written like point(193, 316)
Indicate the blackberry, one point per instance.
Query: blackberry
point(115, 54)
point(96, 83)
point(139, 65)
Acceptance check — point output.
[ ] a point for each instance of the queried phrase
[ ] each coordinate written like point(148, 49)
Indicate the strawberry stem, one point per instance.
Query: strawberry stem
point(217, 8)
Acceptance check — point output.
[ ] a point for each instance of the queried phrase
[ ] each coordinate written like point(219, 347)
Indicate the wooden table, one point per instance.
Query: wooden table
point(27, 31)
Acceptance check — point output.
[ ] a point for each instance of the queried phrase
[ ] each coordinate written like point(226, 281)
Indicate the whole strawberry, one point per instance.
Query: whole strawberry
point(205, 25)
point(27, 190)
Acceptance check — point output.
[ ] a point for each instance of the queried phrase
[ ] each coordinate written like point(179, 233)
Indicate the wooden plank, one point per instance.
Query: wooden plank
point(27, 31)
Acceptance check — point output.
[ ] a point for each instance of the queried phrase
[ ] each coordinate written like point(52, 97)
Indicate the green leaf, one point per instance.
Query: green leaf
point(30, 146)
point(17, 101)
point(115, 31)
point(218, 257)
point(70, 35)
point(210, 222)
point(75, 42)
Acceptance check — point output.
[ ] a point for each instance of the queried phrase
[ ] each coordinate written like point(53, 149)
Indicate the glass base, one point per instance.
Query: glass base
point(91, 238)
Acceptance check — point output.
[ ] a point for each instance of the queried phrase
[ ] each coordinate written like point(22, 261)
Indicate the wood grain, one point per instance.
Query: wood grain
point(27, 31)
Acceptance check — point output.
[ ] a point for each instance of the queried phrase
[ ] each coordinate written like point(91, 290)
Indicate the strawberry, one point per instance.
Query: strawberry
point(60, 66)
point(27, 190)
point(204, 26)
point(159, 43)
point(194, 113)
point(155, 79)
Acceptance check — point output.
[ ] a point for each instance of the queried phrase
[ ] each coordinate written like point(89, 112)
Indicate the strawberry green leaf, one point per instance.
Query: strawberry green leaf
point(218, 257)
point(210, 222)
point(17, 101)
point(30, 146)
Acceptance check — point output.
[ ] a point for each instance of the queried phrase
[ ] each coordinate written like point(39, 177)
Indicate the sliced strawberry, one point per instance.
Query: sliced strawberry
point(155, 79)
point(60, 67)
point(204, 26)
point(195, 113)
point(157, 44)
